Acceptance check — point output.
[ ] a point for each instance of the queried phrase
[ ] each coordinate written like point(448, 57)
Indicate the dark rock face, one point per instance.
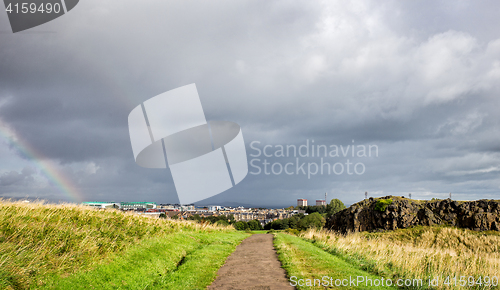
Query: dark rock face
point(479, 215)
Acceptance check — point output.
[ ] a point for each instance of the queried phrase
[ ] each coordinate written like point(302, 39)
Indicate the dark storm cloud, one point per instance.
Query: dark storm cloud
point(25, 177)
point(418, 79)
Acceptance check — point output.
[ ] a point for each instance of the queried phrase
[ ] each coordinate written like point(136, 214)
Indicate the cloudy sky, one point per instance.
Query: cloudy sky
point(420, 80)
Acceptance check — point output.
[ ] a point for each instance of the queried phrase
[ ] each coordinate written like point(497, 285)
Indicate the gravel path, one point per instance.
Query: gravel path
point(253, 265)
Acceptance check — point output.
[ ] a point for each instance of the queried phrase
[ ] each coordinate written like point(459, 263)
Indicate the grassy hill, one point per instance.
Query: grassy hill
point(74, 247)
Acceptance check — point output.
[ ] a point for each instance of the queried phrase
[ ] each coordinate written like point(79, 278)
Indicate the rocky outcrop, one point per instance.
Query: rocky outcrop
point(382, 214)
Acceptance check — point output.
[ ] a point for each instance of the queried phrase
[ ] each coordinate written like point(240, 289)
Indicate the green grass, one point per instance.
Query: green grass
point(304, 260)
point(180, 261)
point(74, 247)
point(417, 253)
point(382, 204)
point(258, 232)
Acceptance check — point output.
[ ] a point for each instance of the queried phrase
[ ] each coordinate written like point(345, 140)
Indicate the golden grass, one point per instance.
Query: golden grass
point(420, 252)
point(38, 239)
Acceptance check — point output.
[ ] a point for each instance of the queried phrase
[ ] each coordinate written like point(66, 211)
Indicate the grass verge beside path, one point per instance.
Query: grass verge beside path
point(67, 246)
point(187, 260)
point(303, 260)
point(442, 253)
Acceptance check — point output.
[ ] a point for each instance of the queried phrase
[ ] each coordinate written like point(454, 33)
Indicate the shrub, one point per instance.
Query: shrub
point(222, 223)
point(241, 225)
point(382, 204)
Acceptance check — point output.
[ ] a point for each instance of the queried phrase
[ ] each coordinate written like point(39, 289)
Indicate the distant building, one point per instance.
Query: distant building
point(214, 207)
point(137, 205)
point(102, 204)
point(301, 202)
point(321, 202)
point(187, 207)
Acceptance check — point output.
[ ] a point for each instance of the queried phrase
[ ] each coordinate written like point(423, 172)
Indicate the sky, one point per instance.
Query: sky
point(418, 81)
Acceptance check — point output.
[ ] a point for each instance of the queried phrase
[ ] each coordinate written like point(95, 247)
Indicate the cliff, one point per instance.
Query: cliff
point(392, 212)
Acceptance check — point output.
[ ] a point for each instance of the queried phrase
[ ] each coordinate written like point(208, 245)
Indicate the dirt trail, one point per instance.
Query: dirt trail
point(253, 265)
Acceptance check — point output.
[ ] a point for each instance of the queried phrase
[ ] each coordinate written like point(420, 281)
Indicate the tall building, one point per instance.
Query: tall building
point(301, 202)
point(321, 202)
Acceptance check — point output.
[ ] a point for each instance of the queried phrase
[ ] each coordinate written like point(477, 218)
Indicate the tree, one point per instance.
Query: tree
point(241, 226)
point(231, 219)
point(294, 221)
point(334, 206)
point(254, 225)
point(274, 225)
point(315, 208)
point(284, 224)
point(269, 226)
point(314, 220)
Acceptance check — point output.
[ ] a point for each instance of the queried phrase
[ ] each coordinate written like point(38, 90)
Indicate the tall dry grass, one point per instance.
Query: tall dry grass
point(421, 252)
point(38, 239)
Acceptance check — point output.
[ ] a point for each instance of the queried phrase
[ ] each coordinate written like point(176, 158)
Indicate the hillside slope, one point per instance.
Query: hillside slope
point(464, 257)
point(43, 243)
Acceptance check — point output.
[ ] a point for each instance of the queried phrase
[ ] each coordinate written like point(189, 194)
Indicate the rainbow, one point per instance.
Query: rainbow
point(47, 168)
